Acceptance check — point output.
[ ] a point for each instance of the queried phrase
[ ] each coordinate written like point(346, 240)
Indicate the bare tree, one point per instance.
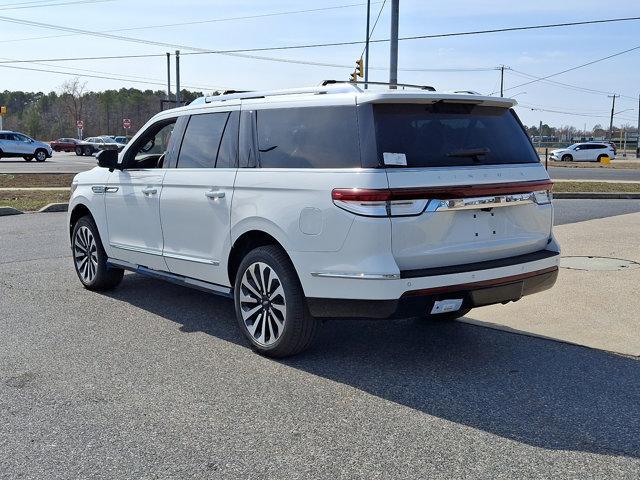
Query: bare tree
point(72, 93)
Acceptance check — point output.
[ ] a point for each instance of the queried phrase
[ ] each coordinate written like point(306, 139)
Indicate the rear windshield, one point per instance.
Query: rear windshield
point(449, 134)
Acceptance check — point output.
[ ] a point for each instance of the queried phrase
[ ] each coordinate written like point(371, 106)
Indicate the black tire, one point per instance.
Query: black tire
point(87, 151)
point(27, 158)
point(103, 276)
point(298, 326)
point(567, 158)
point(449, 316)
point(79, 151)
point(40, 155)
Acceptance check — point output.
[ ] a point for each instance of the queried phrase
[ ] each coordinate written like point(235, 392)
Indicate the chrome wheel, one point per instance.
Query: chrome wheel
point(41, 156)
point(262, 303)
point(85, 253)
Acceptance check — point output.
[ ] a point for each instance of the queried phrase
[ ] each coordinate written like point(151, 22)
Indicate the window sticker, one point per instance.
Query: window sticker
point(394, 158)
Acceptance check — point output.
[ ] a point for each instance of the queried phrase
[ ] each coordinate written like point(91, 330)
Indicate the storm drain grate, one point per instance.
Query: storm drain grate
point(597, 263)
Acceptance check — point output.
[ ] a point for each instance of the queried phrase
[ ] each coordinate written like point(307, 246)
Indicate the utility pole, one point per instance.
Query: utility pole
point(168, 76)
point(366, 48)
point(393, 57)
point(638, 131)
point(540, 134)
point(177, 78)
point(502, 80)
point(613, 106)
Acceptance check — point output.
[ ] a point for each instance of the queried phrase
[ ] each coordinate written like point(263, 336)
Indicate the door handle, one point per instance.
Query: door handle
point(149, 190)
point(214, 194)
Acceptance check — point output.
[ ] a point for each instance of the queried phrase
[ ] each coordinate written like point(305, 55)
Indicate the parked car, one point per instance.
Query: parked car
point(584, 152)
point(64, 144)
point(92, 145)
point(14, 144)
point(121, 140)
point(329, 201)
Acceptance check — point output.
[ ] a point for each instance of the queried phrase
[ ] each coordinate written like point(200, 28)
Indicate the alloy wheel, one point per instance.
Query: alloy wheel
point(41, 156)
point(262, 303)
point(85, 253)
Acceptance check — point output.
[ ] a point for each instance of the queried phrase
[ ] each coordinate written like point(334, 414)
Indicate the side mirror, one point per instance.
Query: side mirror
point(108, 159)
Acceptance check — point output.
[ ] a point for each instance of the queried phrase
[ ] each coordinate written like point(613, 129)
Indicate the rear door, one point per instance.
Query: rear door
point(463, 176)
point(195, 207)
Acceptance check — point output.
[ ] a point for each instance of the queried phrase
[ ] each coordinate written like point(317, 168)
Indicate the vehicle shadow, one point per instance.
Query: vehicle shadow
point(540, 392)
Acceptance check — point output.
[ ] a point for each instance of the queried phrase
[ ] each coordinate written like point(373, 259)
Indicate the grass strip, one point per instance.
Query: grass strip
point(603, 187)
point(31, 200)
point(21, 180)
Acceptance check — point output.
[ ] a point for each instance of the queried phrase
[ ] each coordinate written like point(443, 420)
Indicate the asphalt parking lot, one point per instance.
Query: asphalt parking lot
point(154, 381)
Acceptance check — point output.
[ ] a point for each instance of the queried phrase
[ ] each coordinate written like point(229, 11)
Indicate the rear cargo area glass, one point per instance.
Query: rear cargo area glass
point(450, 134)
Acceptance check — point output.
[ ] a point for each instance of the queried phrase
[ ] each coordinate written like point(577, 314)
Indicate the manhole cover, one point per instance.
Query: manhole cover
point(597, 263)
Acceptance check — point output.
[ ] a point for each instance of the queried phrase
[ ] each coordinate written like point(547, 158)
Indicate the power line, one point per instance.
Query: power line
point(304, 46)
point(574, 68)
point(199, 22)
point(102, 77)
point(374, 25)
point(567, 85)
point(43, 4)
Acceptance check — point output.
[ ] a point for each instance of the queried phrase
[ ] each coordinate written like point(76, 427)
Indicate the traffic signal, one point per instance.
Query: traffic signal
point(3, 110)
point(353, 77)
point(359, 68)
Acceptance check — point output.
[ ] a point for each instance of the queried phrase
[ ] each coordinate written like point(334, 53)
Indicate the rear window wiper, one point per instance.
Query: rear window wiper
point(470, 152)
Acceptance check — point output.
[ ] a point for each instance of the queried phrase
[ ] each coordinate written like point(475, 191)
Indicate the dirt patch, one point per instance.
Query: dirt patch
point(21, 180)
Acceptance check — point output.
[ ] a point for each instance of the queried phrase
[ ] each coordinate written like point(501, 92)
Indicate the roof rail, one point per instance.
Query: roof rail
point(421, 87)
point(318, 90)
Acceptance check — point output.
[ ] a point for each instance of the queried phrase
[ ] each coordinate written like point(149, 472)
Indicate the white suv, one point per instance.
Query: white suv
point(588, 152)
point(14, 144)
point(323, 202)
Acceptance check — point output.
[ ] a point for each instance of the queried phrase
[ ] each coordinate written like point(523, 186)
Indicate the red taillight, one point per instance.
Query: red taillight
point(361, 195)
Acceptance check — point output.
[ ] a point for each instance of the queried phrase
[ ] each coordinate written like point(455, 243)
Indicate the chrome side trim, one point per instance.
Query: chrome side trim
point(131, 248)
point(191, 259)
point(173, 278)
point(479, 203)
point(98, 189)
point(111, 189)
point(357, 276)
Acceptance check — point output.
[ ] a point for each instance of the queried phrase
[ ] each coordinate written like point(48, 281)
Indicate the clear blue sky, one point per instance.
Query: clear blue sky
point(537, 52)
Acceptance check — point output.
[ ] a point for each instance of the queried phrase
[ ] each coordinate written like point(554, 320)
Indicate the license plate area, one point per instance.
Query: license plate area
point(448, 305)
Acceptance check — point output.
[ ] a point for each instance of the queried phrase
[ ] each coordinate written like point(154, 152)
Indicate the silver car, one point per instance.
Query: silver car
point(14, 144)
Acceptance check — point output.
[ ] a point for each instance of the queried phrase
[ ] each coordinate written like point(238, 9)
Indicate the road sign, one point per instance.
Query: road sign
point(80, 124)
point(126, 123)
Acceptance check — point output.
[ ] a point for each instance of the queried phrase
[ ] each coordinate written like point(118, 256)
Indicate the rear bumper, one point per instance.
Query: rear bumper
point(419, 302)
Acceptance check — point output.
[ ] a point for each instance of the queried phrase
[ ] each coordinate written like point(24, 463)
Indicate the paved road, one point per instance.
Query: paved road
point(60, 163)
point(571, 211)
point(154, 381)
point(567, 173)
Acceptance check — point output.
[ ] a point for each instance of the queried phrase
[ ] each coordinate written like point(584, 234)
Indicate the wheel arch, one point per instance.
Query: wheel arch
point(78, 211)
point(246, 242)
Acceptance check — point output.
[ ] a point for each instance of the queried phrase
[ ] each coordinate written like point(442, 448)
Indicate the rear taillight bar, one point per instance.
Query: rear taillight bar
point(444, 193)
point(385, 202)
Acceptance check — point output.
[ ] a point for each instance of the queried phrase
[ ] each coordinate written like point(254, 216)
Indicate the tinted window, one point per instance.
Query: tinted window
point(313, 137)
point(448, 134)
point(228, 152)
point(4, 136)
point(201, 140)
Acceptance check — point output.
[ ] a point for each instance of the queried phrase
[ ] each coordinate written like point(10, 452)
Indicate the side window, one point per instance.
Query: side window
point(201, 140)
point(228, 152)
point(311, 137)
point(152, 146)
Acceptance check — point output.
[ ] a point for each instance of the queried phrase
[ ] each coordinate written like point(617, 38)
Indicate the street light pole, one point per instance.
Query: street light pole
point(168, 76)
point(393, 53)
point(366, 48)
point(177, 78)
point(502, 80)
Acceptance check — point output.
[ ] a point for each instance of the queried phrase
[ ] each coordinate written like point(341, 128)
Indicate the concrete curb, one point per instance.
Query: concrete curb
point(55, 207)
point(597, 195)
point(4, 211)
point(52, 207)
